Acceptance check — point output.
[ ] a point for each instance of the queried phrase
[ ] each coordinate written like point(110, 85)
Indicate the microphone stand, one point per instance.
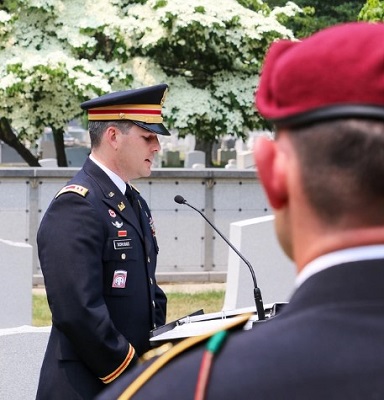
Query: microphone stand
point(256, 291)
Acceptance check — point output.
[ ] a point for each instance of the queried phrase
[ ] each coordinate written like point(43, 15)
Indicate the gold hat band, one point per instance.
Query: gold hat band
point(148, 113)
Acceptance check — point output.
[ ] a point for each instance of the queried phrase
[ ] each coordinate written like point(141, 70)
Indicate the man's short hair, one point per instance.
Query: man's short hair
point(97, 128)
point(342, 167)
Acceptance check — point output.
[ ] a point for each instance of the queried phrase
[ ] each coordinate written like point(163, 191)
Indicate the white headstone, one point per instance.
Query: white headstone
point(48, 163)
point(245, 160)
point(22, 350)
point(15, 284)
point(256, 240)
point(194, 157)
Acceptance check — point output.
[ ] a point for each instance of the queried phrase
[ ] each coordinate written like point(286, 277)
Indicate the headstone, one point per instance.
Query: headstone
point(256, 240)
point(245, 160)
point(9, 155)
point(224, 155)
point(194, 157)
point(48, 163)
point(15, 284)
point(22, 350)
point(198, 166)
point(76, 155)
point(231, 164)
point(172, 158)
point(47, 149)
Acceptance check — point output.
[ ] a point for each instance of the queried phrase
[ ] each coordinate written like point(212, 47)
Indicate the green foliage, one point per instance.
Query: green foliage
point(159, 4)
point(256, 5)
point(211, 58)
point(56, 54)
point(319, 14)
point(373, 11)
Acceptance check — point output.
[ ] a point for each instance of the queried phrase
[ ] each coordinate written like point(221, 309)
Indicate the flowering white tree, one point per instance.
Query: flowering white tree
point(210, 54)
point(44, 69)
point(55, 54)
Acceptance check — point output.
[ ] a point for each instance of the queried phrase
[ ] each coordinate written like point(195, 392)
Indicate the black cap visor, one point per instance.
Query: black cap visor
point(159, 129)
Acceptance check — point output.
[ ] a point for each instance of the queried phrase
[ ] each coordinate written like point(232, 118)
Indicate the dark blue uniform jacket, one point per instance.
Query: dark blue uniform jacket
point(327, 344)
point(98, 262)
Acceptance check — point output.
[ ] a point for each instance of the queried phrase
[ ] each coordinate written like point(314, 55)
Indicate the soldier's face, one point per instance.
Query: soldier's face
point(136, 152)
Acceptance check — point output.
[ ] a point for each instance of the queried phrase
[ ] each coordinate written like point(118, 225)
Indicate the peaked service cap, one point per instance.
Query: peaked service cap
point(142, 106)
point(335, 73)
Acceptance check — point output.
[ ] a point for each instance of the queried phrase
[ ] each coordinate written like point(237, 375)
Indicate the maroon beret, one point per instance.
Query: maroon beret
point(335, 73)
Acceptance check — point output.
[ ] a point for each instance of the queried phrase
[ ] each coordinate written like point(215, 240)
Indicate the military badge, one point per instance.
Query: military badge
point(152, 225)
point(119, 279)
point(82, 191)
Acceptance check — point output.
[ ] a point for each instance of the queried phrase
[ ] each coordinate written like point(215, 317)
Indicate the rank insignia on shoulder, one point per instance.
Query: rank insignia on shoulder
point(81, 190)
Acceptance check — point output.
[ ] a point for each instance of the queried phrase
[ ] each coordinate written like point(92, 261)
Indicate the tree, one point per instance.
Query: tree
point(319, 14)
point(44, 70)
point(211, 58)
point(373, 11)
point(56, 54)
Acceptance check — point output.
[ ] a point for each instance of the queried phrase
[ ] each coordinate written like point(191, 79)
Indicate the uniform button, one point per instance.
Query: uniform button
point(151, 281)
point(148, 259)
point(154, 326)
point(153, 303)
point(123, 256)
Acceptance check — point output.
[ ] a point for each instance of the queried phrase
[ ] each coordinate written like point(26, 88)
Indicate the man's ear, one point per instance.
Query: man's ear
point(272, 167)
point(111, 137)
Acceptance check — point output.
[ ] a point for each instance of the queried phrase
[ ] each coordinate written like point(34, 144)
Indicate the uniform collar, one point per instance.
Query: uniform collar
point(335, 258)
point(112, 176)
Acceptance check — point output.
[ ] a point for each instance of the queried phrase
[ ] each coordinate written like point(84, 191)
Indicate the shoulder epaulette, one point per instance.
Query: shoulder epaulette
point(176, 350)
point(81, 190)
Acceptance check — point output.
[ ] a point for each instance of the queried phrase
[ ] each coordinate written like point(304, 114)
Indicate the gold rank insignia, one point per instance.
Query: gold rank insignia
point(121, 206)
point(82, 191)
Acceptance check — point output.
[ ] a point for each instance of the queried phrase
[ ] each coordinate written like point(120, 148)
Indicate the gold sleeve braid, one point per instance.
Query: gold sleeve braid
point(121, 368)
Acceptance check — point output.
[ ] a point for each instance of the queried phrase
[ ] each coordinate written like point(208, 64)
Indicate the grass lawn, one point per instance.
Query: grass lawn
point(179, 305)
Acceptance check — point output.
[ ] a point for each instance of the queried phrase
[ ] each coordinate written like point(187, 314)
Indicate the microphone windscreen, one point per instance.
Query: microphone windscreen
point(179, 199)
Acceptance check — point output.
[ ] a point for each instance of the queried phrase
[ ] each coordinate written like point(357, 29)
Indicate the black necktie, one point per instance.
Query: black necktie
point(131, 196)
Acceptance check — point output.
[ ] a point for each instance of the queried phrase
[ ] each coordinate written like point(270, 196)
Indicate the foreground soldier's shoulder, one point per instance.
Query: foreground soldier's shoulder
point(78, 189)
point(172, 352)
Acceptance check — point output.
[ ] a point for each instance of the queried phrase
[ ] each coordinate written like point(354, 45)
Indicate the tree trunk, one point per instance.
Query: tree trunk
point(58, 138)
point(8, 137)
point(206, 147)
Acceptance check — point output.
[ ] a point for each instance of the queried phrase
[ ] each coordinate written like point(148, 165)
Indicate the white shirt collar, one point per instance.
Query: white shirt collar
point(335, 258)
point(114, 178)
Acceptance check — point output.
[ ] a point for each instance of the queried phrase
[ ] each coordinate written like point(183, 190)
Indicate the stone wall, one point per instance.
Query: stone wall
point(189, 249)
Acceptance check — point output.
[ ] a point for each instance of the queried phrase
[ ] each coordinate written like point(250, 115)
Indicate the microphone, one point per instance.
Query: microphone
point(256, 291)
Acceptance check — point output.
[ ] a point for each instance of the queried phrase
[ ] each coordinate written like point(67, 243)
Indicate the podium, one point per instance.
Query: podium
point(198, 323)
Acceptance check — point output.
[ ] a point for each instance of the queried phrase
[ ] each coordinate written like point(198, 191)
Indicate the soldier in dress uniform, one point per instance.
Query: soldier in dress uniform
point(324, 177)
point(98, 251)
